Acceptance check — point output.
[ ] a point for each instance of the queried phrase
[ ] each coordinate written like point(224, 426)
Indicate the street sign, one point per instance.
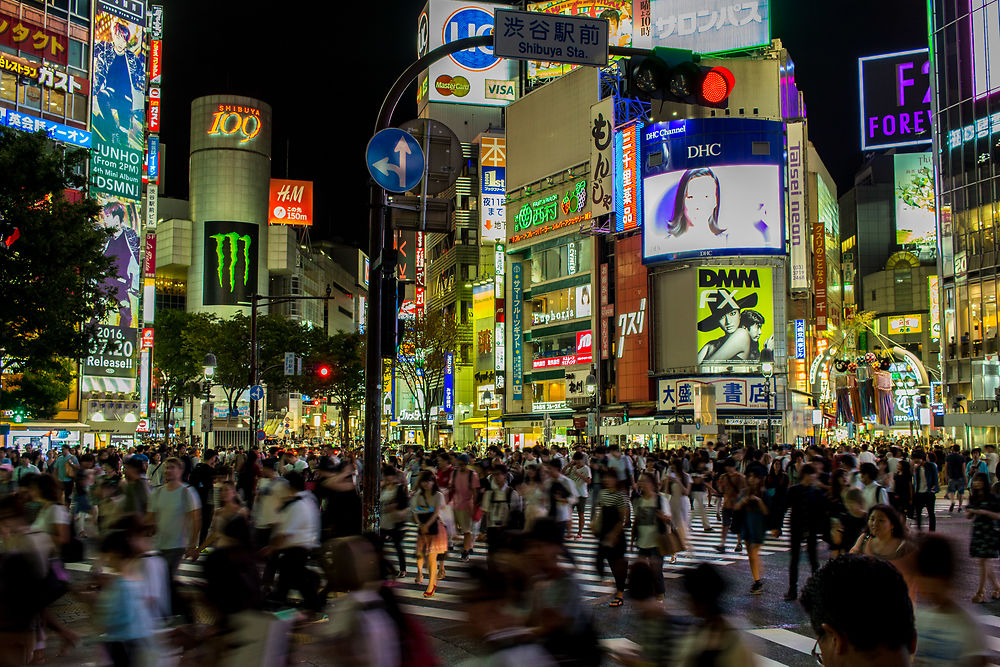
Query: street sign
point(442, 153)
point(256, 392)
point(395, 160)
point(553, 38)
point(289, 363)
point(261, 435)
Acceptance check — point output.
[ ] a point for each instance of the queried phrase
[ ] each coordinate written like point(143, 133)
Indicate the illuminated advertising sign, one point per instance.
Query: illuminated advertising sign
point(235, 121)
point(985, 21)
point(517, 369)
point(473, 76)
point(798, 226)
point(628, 185)
point(935, 307)
point(449, 382)
point(731, 393)
point(18, 33)
point(631, 337)
point(492, 188)
point(147, 338)
point(149, 257)
point(905, 324)
point(153, 159)
point(735, 313)
point(155, 61)
point(156, 21)
point(153, 118)
point(22, 121)
point(914, 197)
point(618, 13)
point(562, 305)
point(119, 91)
point(152, 204)
point(290, 203)
point(122, 247)
point(570, 200)
point(602, 170)
point(705, 26)
point(231, 251)
point(800, 339)
point(895, 99)
point(712, 186)
point(112, 353)
point(819, 274)
point(46, 76)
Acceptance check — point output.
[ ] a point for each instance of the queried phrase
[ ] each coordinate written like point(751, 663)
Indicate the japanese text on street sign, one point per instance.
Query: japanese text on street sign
point(557, 38)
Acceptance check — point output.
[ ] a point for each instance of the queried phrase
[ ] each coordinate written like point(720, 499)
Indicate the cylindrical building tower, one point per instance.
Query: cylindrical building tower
point(230, 168)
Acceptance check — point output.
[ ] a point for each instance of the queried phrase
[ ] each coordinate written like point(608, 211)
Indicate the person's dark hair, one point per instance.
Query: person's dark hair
point(898, 527)
point(427, 476)
point(750, 317)
point(270, 463)
point(679, 223)
point(888, 624)
point(903, 468)
point(728, 463)
point(117, 542)
point(643, 582)
point(579, 456)
point(935, 557)
point(807, 469)
point(869, 469)
point(706, 586)
point(977, 495)
point(848, 460)
point(555, 463)
point(296, 480)
point(115, 210)
point(47, 489)
point(209, 455)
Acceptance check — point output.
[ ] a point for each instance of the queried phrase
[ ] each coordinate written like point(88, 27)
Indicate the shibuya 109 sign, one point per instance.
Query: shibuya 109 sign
point(240, 122)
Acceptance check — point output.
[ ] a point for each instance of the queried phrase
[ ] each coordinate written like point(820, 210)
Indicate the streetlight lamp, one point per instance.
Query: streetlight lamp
point(591, 386)
point(209, 364)
point(487, 399)
point(387, 411)
point(767, 370)
point(911, 385)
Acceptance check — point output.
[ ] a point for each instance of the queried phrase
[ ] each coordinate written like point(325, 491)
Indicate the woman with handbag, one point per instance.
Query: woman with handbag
point(432, 538)
point(650, 527)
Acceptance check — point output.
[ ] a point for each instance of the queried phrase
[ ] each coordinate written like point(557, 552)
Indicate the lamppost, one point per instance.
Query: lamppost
point(387, 411)
point(209, 364)
point(591, 386)
point(487, 399)
point(911, 385)
point(767, 370)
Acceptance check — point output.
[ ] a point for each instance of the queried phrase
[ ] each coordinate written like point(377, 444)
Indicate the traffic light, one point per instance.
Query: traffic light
point(674, 75)
point(323, 371)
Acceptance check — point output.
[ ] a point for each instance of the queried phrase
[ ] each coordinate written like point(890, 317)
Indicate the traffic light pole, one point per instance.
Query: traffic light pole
point(379, 240)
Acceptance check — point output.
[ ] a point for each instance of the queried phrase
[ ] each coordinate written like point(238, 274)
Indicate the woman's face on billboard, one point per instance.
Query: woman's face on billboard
point(730, 321)
point(700, 200)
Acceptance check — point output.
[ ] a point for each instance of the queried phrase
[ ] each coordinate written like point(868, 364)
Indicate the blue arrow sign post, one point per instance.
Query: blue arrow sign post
point(256, 392)
point(395, 160)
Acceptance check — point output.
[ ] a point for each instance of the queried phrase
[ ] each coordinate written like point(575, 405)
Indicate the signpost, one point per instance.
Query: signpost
point(256, 392)
point(395, 160)
point(554, 38)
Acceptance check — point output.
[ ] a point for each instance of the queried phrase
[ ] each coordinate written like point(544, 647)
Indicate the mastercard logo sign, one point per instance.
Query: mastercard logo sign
point(452, 85)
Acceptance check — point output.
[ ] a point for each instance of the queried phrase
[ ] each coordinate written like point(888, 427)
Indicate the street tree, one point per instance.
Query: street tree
point(182, 341)
point(277, 335)
point(54, 273)
point(421, 361)
point(231, 346)
point(344, 354)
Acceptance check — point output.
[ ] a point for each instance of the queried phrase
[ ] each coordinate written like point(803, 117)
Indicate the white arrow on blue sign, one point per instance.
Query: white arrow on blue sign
point(256, 392)
point(395, 160)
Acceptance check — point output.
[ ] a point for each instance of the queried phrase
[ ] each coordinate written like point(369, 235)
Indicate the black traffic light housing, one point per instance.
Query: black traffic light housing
point(674, 75)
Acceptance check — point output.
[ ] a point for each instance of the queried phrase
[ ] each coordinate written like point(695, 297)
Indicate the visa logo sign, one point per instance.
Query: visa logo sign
point(500, 90)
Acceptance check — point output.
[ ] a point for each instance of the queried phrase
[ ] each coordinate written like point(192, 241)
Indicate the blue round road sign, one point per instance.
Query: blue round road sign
point(395, 160)
point(256, 392)
point(261, 435)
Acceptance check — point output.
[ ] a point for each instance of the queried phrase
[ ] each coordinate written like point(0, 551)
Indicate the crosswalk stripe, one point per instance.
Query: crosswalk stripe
point(764, 661)
point(433, 612)
point(784, 637)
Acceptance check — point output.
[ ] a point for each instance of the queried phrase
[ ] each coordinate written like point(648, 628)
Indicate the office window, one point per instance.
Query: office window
point(31, 97)
point(55, 102)
point(8, 87)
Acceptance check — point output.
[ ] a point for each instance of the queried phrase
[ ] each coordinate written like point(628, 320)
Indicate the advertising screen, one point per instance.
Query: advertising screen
point(895, 99)
point(291, 202)
point(914, 197)
point(617, 12)
point(123, 247)
point(628, 185)
point(118, 111)
point(472, 76)
point(735, 313)
point(905, 324)
point(712, 187)
point(704, 26)
point(231, 250)
point(493, 188)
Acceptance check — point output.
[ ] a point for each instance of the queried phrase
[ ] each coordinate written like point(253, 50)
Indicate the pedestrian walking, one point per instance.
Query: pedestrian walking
point(730, 486)
point(984, 509)
point(175, 514)
point(432, 538)
point(611, 523)
point(806, 506)
point(925, 489)
point(753, 523)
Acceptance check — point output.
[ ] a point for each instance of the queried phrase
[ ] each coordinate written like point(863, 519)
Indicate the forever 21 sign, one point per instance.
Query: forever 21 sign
point(895, 99)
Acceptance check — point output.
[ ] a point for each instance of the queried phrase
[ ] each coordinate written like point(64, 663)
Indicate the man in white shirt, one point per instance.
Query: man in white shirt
point(873, 492)
point(175, 511)
point(991, 461)
point(866, 456)
point(579, 472)
point(295, 535)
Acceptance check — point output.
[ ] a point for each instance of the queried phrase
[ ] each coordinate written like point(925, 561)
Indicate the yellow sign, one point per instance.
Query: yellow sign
point(905, 324)
point(735, 313)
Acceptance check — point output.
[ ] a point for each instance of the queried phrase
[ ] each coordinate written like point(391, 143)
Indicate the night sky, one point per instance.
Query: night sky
point(326, 71)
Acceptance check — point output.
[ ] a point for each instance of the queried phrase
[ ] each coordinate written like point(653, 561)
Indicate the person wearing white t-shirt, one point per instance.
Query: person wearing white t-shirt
point(295, 534)
point(865, 456)
point(580, 474)
point(175, 511)
point(991, 462)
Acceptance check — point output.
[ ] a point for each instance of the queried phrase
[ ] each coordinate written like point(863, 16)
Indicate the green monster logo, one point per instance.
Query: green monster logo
point(220, 253)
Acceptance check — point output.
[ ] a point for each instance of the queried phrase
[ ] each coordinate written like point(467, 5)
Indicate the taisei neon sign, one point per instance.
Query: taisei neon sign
point(229, 120)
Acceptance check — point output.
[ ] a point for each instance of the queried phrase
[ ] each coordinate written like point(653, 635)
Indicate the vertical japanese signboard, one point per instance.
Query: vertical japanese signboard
point(628, 185)
point(819, 273)
point(492, 188)
point(935, 306)
point(517, 368)
point(449, 382)
point(119, 94)
point(499, 323)
point(602, 124)
point(421, 274)
point(800, 339)
point(797, 225)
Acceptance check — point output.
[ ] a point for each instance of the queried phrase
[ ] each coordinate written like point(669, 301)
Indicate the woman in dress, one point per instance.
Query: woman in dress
point(755, 511)
point(677, 484)
point(775, 490)
point(432, 538)
point(650, 521)
point(886, 539)
point(984, 510)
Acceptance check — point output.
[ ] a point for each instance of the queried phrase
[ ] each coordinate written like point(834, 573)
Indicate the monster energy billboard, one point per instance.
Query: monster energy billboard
point(230, 262)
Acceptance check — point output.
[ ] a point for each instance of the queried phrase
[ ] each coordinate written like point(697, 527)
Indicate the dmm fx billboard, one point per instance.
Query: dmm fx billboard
point(472, 76)
point(231, 251)
point(119, 96)
point(712, 186)
point(735, 313)
point(895, 99)
point(704, 26)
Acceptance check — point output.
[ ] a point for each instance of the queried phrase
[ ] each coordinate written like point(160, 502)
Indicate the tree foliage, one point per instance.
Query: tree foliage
point(182, 340)
point(421, 361)
point(53, 275)
point(344, 354)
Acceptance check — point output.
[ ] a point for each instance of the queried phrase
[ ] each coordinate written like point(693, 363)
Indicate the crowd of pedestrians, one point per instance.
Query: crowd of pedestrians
point(282, 529)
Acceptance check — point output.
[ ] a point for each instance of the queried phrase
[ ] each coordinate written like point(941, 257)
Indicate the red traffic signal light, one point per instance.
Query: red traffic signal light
point(716, 85)
point(315, 401)
point(323, 371)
